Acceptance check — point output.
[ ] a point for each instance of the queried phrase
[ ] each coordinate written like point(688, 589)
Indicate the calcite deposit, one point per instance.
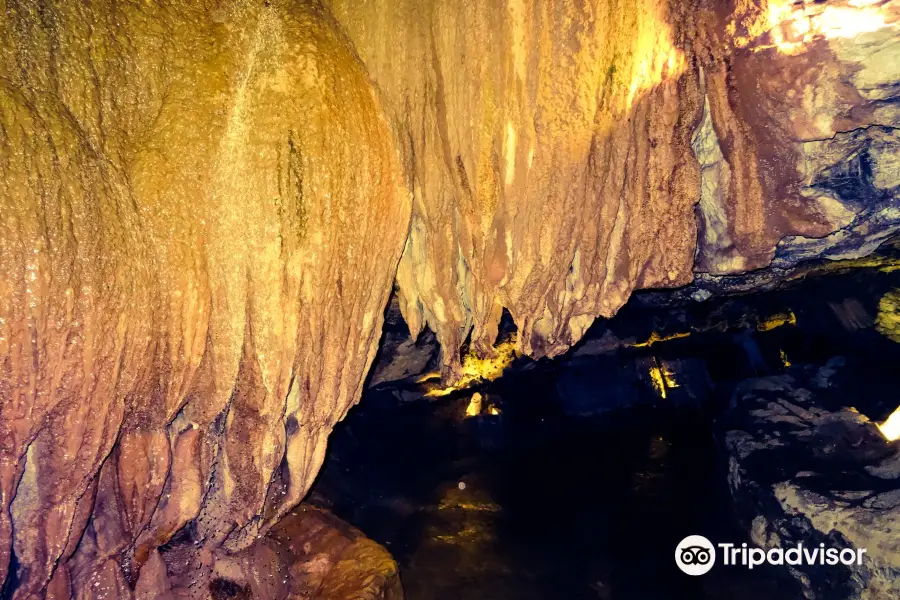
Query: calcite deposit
point(550, 162)
point(562, 155)
point(202, 215)
point(203, 206)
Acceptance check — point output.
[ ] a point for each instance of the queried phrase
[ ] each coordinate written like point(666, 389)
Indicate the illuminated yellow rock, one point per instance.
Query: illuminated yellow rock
point(656, 338)
point(784, 359)
point(475, 404)
point(557, 150)
point(547, 142)
point(776, 321)
point(888, 321)
point(201, 214)
point(662, 378)
point(475, 369)
point(203, 208)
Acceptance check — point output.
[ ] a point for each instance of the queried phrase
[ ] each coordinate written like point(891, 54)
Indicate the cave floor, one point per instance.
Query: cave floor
point(539, 498)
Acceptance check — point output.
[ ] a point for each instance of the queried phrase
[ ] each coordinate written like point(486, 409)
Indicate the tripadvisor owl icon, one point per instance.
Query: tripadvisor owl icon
point(695, 555)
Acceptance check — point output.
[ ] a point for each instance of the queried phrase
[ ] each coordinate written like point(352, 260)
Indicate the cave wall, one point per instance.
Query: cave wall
point(564, 154)
point(551, 167)
point(204, 207)
point(202, 214)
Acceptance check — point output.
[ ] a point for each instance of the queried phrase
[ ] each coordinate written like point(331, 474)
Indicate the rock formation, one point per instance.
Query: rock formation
point(804, 469)
point(549, 147)
point(204, 205)
point(202, 214)
point(562, 155)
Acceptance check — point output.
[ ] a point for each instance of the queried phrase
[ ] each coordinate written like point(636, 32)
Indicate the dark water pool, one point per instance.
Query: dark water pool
point(537, 502)
point(570, 508)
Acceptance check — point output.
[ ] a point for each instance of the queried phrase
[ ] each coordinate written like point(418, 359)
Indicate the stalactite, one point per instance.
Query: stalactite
point(202, 217)
point(553, 149)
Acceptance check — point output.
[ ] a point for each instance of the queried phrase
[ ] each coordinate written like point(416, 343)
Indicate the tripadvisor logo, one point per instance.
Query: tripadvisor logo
point(696, 555)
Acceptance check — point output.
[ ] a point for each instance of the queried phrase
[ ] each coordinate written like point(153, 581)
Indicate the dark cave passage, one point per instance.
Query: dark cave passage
point(577, 478)
point(572, 509)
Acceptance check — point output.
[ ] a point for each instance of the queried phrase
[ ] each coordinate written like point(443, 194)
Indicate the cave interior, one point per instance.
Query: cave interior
point(441, 300)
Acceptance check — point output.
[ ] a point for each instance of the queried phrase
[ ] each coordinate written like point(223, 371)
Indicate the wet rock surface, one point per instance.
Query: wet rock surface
point(806, 467)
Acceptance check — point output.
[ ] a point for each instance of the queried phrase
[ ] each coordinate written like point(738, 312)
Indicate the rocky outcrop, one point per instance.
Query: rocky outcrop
point(309, 554)
point(563, 155)
point(202, 214)
point(888, 320)
point(803, 469)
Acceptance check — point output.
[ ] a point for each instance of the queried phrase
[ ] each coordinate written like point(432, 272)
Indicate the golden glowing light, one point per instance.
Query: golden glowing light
point(778, 320)
point(655, 56)
point(476, 370)
point(793, 25)
point(852, 21)
point(784, 359)
point(493, 410)
point(655, 338)
point(890, 429)
point(428, 377)
point(663, 379)
point(474, 407)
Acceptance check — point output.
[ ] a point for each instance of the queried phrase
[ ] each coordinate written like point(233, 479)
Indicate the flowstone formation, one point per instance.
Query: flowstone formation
point(204, 206)
point(562, 155)
point(202, 214)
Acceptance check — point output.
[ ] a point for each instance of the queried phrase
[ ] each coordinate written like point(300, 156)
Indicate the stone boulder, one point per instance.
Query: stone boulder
point(803, 468)
point(309, 555)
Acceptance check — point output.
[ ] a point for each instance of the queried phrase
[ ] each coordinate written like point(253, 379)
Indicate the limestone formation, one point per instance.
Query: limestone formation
point(203, 208)
point(562, 155)
point(202, 214)
point(548, 147)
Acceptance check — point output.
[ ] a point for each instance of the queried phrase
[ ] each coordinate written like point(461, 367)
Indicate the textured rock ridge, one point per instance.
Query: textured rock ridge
point(562, 155)
point(805, 469)
point(202, 214)
point(551, 167)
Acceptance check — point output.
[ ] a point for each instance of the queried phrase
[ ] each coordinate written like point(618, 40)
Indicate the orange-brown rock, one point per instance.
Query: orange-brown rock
point(202, 215)
point(203, 207)
point(562, 155)
point(548, 148)
point(309, 554)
